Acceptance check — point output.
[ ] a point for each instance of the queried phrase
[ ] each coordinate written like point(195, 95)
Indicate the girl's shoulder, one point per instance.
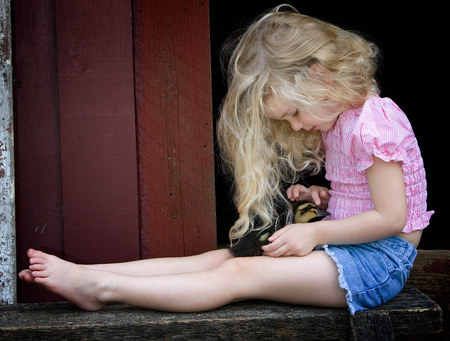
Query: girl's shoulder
point(377, 109)
point(380, 128)
point(382, 107)
point(379, 125)
point(377, 116)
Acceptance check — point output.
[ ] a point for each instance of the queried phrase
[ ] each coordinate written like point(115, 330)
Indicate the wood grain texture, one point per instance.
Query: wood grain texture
point(77, 86)
point(431, 274)
point(7, 194)
point(38, 160)
point(174, 125)
point(413, 316)
point(97, 120)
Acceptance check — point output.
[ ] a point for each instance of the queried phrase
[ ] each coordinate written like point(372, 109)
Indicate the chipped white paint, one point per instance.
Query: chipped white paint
point(7, 211)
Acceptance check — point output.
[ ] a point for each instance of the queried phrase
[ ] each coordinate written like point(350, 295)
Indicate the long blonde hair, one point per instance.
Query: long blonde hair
point(275, 56)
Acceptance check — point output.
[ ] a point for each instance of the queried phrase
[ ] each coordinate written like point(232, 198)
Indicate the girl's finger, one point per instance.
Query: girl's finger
point(271, 247)
point(278, 252)
point(324, 194)
point(277, 234)
point(316, 198)
point(290, 193)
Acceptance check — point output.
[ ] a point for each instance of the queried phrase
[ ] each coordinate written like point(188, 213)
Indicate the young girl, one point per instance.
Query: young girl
point(300, 91)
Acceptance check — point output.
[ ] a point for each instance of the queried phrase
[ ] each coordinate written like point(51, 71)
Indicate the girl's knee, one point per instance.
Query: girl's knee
point(213, 259)
point(236, 267)
point(237, 278)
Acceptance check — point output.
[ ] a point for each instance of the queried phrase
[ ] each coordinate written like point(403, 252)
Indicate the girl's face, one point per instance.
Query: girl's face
point(280, 108)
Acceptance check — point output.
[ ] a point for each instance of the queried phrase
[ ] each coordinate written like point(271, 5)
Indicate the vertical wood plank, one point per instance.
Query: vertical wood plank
point(97, 122)
point(7, 196)
point(38, 165)
point(174, 115)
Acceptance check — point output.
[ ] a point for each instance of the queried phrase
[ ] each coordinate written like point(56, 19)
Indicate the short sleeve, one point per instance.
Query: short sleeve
point(383, 131)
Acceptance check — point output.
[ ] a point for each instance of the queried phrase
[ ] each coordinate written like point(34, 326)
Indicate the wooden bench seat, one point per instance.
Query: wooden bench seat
point(410, 316)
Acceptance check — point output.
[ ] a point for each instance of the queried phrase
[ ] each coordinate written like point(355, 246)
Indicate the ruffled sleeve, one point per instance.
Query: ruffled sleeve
point(382, 130)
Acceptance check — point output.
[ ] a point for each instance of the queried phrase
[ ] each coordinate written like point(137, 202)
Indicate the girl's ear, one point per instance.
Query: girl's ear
point(316, 68)
point(320, 73)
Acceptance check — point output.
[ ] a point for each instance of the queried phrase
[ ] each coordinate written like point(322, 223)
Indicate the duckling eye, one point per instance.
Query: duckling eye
point(307, 208)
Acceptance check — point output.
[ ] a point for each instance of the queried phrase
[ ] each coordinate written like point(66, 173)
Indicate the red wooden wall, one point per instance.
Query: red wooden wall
point(113, 130)
point(174, 115)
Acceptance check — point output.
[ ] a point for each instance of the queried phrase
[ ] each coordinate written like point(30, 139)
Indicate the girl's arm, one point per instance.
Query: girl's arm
point(388, 217)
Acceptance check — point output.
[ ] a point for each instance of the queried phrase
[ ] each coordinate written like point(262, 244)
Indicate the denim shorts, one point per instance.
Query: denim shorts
point(372, 273)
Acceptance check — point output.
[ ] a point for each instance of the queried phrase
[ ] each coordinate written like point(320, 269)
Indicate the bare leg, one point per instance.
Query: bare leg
point(169, 265)
point(285, 279)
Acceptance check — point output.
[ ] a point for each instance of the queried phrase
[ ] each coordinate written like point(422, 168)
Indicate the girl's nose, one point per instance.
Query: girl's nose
point(295, 125)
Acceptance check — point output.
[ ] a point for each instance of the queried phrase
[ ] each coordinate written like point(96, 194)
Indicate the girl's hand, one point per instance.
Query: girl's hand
point(291, 240)
point(317, 194)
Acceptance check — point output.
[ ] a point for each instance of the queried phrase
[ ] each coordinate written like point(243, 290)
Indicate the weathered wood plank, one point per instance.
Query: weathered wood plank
point(38, 161)
point(97, 120)
point(241, 321)
point(174, 125)
point(371, 326)
point(431, 274)
point(7, 195)
point(413, 316)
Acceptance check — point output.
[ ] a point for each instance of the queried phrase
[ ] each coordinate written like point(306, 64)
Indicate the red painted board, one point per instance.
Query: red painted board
point(38, 165)
point(174, 126)
point(97, 122)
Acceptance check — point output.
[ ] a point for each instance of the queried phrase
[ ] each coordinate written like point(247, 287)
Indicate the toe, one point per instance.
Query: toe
point(32, 253)
point(37, 267)
point(26, 276)
point(39, 274)
point(36, 260)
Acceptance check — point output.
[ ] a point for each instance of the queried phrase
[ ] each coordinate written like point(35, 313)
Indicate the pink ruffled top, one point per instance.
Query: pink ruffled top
point(378, 128)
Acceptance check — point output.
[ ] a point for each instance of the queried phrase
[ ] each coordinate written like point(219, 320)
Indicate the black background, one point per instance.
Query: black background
point(413, 72)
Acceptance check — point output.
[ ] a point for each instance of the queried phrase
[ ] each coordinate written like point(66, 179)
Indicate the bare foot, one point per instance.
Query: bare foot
point(78, 284)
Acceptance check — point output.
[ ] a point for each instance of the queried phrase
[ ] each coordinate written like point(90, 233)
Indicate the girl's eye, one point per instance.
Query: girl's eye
point(296, 112)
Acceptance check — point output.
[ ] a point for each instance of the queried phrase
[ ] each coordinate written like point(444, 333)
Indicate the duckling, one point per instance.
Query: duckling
point(250, 244)
point(308, 212)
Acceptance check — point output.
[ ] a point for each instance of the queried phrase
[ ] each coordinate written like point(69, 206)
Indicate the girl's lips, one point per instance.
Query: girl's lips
point(314, 128)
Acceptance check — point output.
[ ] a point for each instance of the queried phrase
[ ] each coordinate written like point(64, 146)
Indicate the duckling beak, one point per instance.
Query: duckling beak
point(322, 213)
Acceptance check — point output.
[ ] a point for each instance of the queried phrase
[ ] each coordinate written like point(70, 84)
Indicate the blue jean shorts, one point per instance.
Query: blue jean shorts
point(372, 273)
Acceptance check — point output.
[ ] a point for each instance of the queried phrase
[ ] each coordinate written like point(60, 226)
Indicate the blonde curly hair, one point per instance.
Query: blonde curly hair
point(280, 54)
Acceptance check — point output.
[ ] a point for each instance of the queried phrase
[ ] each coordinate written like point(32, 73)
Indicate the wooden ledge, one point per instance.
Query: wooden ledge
point(411, 316)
